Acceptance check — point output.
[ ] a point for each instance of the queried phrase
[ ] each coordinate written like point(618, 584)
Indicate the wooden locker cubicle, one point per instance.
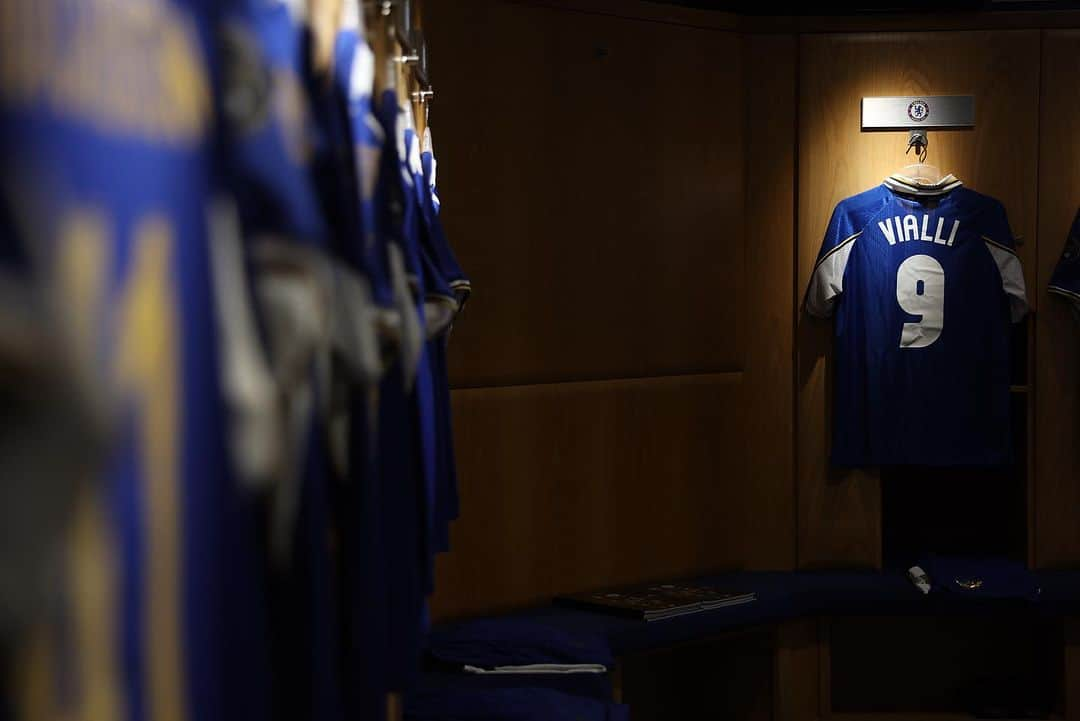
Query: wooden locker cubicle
point(840, 512)
point(1023, 150)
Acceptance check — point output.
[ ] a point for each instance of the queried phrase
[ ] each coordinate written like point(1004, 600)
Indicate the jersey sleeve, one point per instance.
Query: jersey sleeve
point(999, 241)
point(1066, 279)
point(827, 280)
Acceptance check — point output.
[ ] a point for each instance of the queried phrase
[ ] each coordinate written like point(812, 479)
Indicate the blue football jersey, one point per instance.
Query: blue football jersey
point(271, 131)
point(402, 459)
point(367, 571)
point(422, 278)
point(302, 205)
point(924, 290)
point(452, 287)
point(107, 120)
point(444, 255)
point(1066, 279)
point(440, 305)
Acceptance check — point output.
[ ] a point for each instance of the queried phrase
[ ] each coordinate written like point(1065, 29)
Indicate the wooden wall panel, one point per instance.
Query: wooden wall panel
point(645, 10)
point(574, 486)
point(1071, 682)
point(1057, 335)
point(978, 661)
point(623, 403)
point(839, 513)
point(591, 171)
point(796, 671)
point(770, 77)
point(919, 21)
point(723, 678)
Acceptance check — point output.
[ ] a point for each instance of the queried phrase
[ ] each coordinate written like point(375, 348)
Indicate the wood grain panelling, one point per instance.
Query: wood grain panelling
point(1071, 636)
point(839, 513)
point(921, 22)
point(728, 678)
point(796, 671)
point(645, 10)
point(1057, 336)
point(568, 487)
point(769, 302)
point(978, 661)
point(577, 483)
point(591, 172)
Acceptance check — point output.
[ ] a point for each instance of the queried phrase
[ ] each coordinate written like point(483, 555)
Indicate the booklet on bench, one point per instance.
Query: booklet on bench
point(657, 601)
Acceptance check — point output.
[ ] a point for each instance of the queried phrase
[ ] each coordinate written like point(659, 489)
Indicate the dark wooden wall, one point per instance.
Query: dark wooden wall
point(1057, 378)
point(638, 193)
point(623, 372)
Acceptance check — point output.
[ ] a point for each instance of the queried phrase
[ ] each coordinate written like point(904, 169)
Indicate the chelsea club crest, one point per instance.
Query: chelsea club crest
point(918, 110)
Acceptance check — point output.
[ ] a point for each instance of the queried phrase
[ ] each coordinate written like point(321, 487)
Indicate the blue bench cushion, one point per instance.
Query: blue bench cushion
point(516, 641)
point(590, 685)
point(991, 578)
point(507, 704)
point(788, 595)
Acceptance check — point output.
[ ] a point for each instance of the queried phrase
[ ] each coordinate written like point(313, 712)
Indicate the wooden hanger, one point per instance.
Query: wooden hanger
point(420, 100)
point(419, 103)
point(325, 18)
point(378, 21)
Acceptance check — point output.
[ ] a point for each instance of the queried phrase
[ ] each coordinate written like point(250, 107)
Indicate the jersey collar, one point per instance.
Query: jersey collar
point(909, 186)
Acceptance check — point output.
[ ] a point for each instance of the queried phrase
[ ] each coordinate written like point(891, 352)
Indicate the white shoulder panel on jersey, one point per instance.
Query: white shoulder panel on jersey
point(1012, 277)
point(827, 282)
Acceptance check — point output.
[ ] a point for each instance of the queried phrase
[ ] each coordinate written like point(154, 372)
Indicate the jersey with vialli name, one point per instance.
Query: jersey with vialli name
point(924, 291)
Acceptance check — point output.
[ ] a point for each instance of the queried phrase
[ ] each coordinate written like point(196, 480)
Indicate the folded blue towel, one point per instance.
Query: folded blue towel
point(986, 578)
point(502, 642)
point(508, 704)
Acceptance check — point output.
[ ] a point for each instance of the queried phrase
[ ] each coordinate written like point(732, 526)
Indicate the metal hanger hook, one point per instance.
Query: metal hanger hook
point(919, 141)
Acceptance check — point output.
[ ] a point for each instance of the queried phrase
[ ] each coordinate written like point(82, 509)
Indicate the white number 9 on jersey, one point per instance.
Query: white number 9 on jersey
point(920, 290)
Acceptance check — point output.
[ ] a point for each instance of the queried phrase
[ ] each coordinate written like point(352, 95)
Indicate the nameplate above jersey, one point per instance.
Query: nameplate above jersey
point(929, 112)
